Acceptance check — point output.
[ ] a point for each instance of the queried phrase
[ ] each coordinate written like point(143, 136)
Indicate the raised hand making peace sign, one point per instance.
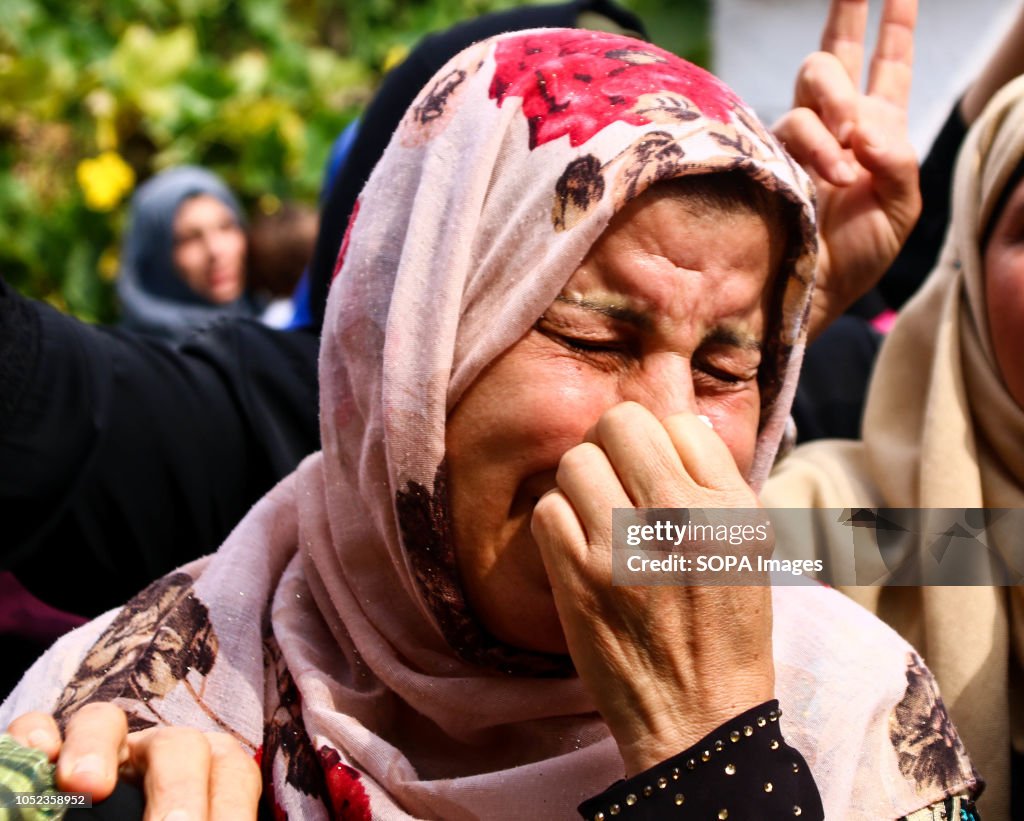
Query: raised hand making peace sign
point(855, 145)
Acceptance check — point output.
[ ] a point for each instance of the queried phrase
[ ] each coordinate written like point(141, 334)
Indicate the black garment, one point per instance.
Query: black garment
point(743, 769)
point(834, 381)
point(121, 457)
point(398, 90)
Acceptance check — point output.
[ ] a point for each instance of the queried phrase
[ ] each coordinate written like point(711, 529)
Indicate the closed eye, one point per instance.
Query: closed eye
point(585, 344)
point(728, 374)
point(723, 376)
point(590, 345)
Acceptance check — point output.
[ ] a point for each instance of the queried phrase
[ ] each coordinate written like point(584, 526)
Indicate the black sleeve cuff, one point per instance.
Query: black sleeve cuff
point(744, 769)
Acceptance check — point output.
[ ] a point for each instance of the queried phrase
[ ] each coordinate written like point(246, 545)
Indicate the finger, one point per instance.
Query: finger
point(235, 782)
point(892, 62)
point(590, 485)
point(843, 35)
point(37, 730)
point(892, 162)
point(564, 549)
point(823, 87)
point(641, 454)
point(577, 579)
point(175, 763)
point(814, 147)
point(704, 455)
point(93, 749)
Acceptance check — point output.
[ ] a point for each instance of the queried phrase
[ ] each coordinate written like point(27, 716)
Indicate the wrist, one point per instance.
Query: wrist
point(680, 725)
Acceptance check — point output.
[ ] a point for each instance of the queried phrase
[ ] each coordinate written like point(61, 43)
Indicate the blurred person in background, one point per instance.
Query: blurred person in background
point(280, 246)
point(183, 262)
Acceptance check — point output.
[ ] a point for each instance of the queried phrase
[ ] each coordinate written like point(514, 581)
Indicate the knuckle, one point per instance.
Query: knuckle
point(178, 740)
point(624, 415)
point(623, 411)
point(577, 458)
point(545, 514)
point(30, 721)
point(38, 730)
point(102, 711)
point(223, 746)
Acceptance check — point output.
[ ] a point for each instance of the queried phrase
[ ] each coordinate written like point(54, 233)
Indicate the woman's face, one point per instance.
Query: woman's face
point(1004, 293)
point(209, 249)
point(668, 309)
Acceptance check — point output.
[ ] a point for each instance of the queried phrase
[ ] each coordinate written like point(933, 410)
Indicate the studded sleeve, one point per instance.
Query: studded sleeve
point(744, 769)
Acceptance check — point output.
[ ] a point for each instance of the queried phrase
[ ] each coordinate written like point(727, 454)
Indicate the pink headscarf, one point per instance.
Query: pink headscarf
point(330, 633)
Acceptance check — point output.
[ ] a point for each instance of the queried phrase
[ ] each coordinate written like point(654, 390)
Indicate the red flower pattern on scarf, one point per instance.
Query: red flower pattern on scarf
point(349, 801)
point(578, 82)
point(345, 240)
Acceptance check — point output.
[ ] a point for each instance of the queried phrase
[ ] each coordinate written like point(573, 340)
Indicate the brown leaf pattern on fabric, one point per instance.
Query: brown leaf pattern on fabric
point(654, 156)
point(666, 108)
point(151, 645)
point(427, 537)
point(435, 105)
point(432, 104)
point(285, 732)
point(580, 187)
point(927, 747)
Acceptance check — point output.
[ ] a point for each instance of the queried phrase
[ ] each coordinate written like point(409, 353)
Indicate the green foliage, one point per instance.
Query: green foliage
point(97, 95)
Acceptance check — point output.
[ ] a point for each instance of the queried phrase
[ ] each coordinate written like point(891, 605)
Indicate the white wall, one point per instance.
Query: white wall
point(759, 44)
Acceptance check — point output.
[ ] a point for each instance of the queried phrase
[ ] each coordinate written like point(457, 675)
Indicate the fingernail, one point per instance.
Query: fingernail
point(39, 739)
point(88, 765)
point(844, 132)
point(845, 173)
point(178, 815)
point(705, 420)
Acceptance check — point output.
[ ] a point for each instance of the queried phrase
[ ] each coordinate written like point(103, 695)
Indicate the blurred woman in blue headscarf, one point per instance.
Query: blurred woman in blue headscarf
point(184, 257)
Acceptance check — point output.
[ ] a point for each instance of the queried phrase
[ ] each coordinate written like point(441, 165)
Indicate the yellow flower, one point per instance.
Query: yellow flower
point(396, 54)
point(104, 180)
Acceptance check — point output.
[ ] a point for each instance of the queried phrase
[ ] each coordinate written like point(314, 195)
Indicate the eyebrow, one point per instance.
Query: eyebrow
point(622, 313)
point(643, 322)
point(732, 339)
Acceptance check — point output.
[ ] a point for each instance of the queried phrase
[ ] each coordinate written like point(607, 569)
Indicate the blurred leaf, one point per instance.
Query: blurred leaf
point(144, 62)
point(249, 71)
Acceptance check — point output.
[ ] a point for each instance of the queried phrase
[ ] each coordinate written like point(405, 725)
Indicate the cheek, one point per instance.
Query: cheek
point(735, 420)
point(526, 416)
point(238, 246)
point(189, 264)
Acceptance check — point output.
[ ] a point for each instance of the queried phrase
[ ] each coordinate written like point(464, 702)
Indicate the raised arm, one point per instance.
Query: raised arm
point(854, 143)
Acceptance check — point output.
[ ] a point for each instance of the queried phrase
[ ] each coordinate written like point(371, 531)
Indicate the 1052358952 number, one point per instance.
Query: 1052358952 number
point(54, 800)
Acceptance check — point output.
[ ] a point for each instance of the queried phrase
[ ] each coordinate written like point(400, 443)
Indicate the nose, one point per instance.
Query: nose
point(663, 384)
point(215, 244)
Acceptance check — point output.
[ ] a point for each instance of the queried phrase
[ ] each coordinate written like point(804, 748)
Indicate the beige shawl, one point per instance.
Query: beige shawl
point(941, 430)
